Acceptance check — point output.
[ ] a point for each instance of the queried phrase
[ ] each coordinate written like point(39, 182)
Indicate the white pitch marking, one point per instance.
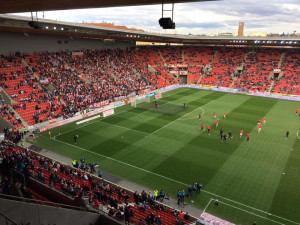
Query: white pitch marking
point(112, 115)
point(189, 118)
point(207, 205)
point(180, 118)
point(252, 213)
point(179, 182)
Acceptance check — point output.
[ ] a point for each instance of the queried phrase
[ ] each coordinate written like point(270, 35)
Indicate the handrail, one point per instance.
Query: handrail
point(6, 218)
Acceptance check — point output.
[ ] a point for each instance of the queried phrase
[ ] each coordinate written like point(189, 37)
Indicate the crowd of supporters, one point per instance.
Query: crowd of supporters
point(88, 191)
point(47, 85)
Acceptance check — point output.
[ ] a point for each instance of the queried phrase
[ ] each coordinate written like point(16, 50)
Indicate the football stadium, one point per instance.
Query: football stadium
point(105, 124)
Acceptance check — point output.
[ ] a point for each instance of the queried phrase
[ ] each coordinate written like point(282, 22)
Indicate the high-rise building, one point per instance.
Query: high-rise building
point(241, 29)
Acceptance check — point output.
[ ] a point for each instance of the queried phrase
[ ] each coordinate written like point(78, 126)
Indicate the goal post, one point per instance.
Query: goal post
point(139, 101)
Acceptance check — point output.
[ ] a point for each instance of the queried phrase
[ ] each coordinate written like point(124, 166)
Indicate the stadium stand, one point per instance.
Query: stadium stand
point(79, 184)
point(224, 67)
point(288, 82)
point(45, 85)
point(257, 69)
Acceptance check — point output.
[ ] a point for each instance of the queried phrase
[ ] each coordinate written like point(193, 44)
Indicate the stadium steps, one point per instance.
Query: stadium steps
point(279, 66)
point(271, 75)
point(149, 66)
point(209, 68)
point(7, 98)
point(213, 58)
point(34, 74)
point(86, 80)
point(161, 56)
point(202, 75)
point(18, 115)
point(271, 87)
point(135, 73)
point(30, 69)
point(281, 60)
point(280, 75)
point(234, 80)
point(182, 53)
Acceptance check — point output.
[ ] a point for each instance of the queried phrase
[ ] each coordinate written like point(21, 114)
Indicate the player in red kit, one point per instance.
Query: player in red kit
point(241, 133)
point(215, 115)
point(248, 137)
point(224, 115)
point(202, 127)
point(265, 120)
point(259, 122)
point(208, 130)
point(217, 123)
point(259, 128)
point(297, 111)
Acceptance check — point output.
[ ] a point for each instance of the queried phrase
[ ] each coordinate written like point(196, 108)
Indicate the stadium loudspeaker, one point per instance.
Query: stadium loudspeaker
point(34, 24)
point(166, 23)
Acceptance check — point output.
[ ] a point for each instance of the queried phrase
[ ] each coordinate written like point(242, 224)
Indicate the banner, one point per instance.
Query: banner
point(158, 96)
point(118, 104)
point(44, 81)
point(131, 94)
point(77, 54)
point(89, 119)
point(100, 104)
point(108, 112)
point(277, 70)
point(143, 92)
point(179, 72)
point(119, 98)
point(208, 219)
point(177, 65)
point(52, 121)
point(150, 94)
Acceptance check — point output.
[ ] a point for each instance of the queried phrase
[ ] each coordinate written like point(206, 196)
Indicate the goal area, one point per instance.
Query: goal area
point(137, 102)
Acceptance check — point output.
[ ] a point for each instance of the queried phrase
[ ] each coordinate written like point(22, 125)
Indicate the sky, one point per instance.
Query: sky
point(213, 17)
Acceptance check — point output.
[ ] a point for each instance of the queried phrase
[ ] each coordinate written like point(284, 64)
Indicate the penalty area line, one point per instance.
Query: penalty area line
point(167, 178)
point(251, 213)
point(87, 124)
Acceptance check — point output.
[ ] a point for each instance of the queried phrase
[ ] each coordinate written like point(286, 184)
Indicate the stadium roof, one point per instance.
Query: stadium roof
point(13, 6)
point(19, 24)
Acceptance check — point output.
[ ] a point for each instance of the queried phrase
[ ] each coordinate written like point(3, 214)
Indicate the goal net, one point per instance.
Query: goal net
point(139, 101)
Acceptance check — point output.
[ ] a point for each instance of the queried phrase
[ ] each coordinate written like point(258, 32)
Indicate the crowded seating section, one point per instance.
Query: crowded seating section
point(46, 85)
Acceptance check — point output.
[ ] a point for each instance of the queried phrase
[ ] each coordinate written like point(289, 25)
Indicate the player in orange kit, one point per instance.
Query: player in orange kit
point(248, 137)
point(241, 133)
point(259, 128)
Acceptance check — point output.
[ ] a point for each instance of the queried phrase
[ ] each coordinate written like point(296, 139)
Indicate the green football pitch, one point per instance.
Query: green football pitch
point(164, 148)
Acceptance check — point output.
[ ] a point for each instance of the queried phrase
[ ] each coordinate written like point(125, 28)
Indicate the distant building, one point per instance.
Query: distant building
point(241, 29)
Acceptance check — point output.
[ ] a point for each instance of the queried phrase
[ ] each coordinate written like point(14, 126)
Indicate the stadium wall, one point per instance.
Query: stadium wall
point(28, 213)
point(29, 43)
